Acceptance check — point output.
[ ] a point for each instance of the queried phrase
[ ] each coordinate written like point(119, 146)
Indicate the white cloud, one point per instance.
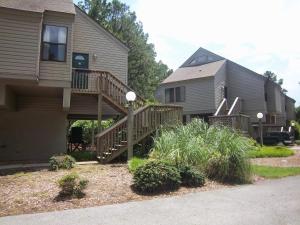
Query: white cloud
point(257, 34)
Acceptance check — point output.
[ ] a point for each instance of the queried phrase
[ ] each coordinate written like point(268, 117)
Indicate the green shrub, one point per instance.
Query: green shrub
point(61, 162)
point(134, 163)
point(297, 142)
point(83, 156)
point(72, 185)
point(156, 176)
point(271, 151)
point(206, 147)
point(191, 177)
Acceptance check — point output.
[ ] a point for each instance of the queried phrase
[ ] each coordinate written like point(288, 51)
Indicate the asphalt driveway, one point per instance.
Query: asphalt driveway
point(275, 202)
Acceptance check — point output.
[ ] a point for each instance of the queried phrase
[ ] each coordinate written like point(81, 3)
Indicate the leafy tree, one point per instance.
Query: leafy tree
point(144, 73)
point(273, 77)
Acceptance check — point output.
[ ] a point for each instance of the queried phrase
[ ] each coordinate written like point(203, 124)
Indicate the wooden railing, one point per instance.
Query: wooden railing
point(239, 122)
point(112, 89)
point(113, 141)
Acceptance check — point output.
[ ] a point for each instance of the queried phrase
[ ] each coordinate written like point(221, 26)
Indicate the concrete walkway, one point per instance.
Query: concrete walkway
point(275, 202)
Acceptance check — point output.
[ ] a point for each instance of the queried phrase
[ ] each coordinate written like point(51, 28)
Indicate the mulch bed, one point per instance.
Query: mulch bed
point(37, 191)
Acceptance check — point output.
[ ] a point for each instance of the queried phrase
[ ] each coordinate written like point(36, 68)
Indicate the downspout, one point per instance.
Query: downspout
point(37, 71)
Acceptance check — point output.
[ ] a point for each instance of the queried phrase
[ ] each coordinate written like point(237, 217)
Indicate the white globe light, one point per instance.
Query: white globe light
point(293, 124)
point(130, 96)
point(260, 115)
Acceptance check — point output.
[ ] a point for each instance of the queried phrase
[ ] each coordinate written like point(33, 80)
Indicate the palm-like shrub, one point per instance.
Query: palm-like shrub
point(219, 151)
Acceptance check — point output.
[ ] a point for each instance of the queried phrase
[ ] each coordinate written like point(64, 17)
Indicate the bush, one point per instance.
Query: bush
point(297, 142)
point(72, 185)
point(83, 156)
point(229, 167)
point(134, 163)
point(191, 177)
point(274, 151)
point(206, 148)
point(61, 162)
point(156, 176)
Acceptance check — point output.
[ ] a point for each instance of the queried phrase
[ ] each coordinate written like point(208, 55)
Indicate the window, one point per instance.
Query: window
point(175, 94)
point(80, 60)
point(225, 92)
point(199, 60)
point(54, 44)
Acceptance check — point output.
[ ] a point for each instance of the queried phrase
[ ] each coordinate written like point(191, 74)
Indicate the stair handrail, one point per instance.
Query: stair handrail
point(224, 102)
point(234, 105)
point(124, 119)
point(114, 77)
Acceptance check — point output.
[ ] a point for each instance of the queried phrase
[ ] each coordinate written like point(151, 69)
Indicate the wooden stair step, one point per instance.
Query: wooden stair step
point(107, 153)
point(120, 146)
point(101, 157)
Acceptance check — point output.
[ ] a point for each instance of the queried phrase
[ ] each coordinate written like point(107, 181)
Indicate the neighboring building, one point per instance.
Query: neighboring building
point(205, 79)
point(52, 63)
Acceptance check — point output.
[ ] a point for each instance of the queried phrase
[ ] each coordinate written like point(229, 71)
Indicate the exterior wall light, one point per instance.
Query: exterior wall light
point(130, 96)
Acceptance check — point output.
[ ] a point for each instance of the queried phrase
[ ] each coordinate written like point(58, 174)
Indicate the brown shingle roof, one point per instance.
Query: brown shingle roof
point(65, 6)
point(194, 72)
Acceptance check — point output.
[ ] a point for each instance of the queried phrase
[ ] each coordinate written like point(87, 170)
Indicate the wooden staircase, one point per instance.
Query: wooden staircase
point(146, 118)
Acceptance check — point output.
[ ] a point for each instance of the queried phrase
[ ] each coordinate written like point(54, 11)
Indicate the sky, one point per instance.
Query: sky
point(258, 34)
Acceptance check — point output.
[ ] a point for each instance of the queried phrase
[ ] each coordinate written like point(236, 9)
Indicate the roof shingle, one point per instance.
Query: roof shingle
point(194, 72)
point(65, 6)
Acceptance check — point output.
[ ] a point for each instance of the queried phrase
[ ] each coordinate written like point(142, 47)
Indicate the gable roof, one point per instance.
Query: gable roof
point(189, 73)
point(202, 52)
point(39, 6)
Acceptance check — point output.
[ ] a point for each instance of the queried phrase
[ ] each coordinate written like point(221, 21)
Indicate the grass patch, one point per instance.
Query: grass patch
point(275, 172)
point(134, 163)
point(271, 151)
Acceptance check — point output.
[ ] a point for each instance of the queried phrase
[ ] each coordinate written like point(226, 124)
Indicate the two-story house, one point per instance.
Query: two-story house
point(57, 64)
point(206, 79)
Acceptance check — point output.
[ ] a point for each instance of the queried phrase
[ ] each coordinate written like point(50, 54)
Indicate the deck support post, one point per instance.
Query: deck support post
point(130, 131)
point(99, 112)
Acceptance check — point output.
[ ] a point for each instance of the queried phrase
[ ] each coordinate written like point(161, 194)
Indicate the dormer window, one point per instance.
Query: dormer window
point(54, 44)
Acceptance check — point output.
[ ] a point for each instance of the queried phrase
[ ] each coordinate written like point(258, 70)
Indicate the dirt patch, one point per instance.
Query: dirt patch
point(36, 191)
point(291, 161)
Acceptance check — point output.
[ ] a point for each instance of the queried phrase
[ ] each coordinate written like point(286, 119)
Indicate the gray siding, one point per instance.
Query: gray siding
point(290, 108)
point(220, 83)
point(278, 100)
point(249, 86)
point(90, 38)
point(270, 89)
point(58, 71)
point(19, 44)
point(199, 95)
